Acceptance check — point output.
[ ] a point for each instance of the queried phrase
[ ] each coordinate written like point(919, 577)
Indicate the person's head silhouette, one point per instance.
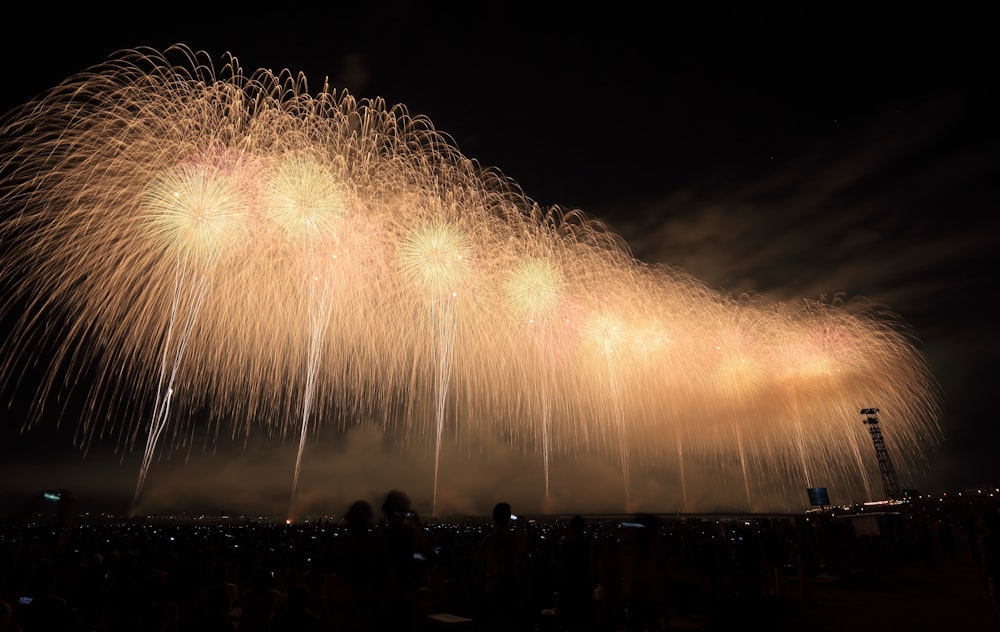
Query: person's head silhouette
point(396, 507)
point(359, 516)
point(502, 514)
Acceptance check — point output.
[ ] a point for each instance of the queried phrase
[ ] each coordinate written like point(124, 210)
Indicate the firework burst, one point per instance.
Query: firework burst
point(195, 246)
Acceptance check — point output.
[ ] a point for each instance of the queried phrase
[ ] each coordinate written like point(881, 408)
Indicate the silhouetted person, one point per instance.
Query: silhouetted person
point(8, 623)
point(610, 603)
point(298, 615)
point(90, 592)
point(45, 611)
point(500, 554)
point(576, 581)
point(214, 608)
point(213, 612)
point(261, 603)
point(989, 554)
point(805, 555)
point(946, 540)
point(645, 583)
point(358, 566)
point(924, 543)
point(406, 549)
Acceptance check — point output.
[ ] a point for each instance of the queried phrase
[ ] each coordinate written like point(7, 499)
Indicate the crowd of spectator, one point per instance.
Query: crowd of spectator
point(386, 569)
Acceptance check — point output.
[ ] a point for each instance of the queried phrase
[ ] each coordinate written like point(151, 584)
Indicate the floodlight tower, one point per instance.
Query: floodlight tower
point(889, 480)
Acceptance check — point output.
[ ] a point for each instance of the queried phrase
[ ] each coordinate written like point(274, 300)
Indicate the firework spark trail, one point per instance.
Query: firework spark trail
point(308, 205)
point(194, 211)
point(317, 324)
point(290, 261)
point(165, 391)
point(435, 258)
point(605, 332)
point(534, 288)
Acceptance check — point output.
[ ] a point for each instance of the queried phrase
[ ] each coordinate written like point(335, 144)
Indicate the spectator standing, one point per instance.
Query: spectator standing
point(500, 558)
point(645, 581)
point(576, 577)
point(406, 551)
point(989, 554)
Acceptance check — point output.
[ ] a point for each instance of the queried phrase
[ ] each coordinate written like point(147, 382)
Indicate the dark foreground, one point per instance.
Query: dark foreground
point(914, 570)
point(907, 596)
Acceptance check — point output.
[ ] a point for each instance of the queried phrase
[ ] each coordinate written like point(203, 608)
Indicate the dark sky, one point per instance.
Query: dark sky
point(792, 152)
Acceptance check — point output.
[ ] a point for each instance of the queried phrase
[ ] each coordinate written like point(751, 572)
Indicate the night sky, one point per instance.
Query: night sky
point(793, 153)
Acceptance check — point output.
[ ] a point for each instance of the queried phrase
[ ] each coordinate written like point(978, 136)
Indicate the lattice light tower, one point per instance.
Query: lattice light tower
point(889, 480)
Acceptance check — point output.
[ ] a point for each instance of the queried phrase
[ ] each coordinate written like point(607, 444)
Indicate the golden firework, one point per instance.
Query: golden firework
point(193, 239)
